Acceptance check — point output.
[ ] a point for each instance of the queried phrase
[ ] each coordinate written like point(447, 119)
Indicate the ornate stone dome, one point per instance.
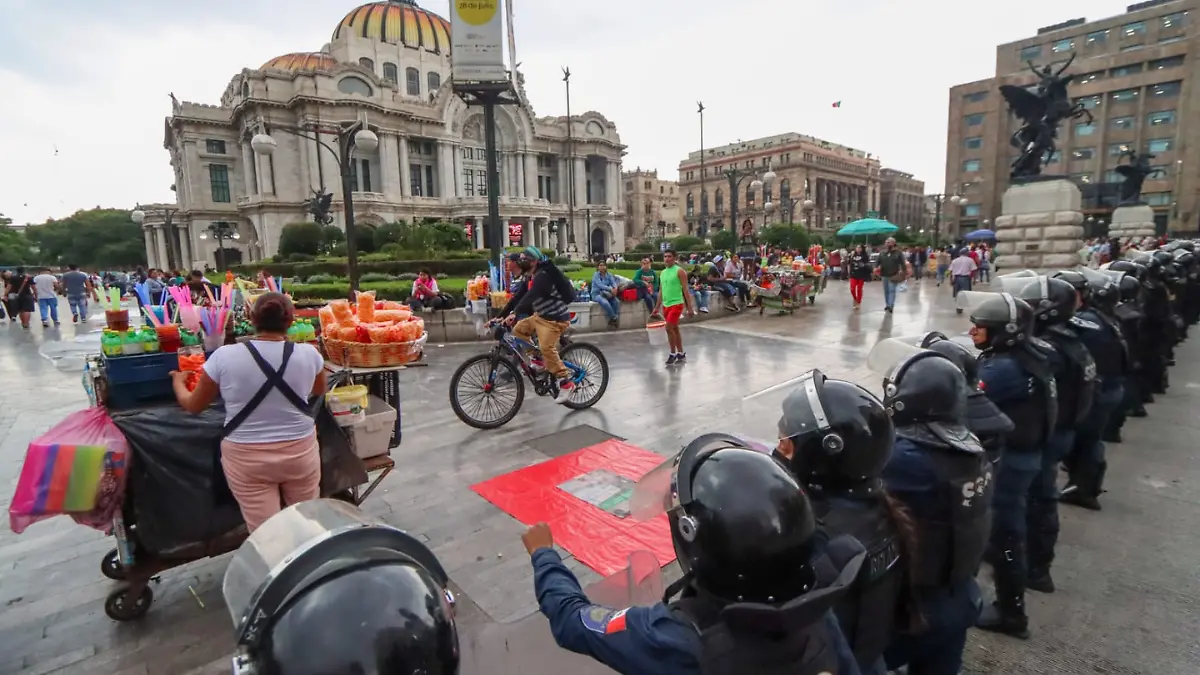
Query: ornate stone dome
point(302, 61)
point(397, 22)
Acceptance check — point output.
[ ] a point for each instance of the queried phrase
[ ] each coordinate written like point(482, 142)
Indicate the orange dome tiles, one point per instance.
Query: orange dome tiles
point(302, 61)
point(398, 22)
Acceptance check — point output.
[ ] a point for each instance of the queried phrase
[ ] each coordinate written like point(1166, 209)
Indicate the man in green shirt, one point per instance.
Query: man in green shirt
point(645, 280)
point(672, 302)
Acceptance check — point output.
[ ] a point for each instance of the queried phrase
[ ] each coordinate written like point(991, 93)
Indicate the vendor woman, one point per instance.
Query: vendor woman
point(269, 449)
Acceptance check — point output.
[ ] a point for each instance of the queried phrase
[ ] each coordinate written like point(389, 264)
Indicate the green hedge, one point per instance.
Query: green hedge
point(384, 290)
point(464, 267)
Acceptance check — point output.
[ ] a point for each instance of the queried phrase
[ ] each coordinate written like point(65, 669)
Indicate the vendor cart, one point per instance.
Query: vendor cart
point(783, 289)
point(177, 507)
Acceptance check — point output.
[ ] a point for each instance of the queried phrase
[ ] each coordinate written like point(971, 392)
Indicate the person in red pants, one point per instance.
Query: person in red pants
point(860, 273)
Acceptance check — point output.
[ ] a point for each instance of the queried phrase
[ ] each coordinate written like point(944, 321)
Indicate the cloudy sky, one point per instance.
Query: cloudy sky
point(85, 84)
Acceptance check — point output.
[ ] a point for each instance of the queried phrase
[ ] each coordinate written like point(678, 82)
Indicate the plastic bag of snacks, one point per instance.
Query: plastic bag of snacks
point(341, 311)
point(77, 468)
point(366, 306)
point(392, 315)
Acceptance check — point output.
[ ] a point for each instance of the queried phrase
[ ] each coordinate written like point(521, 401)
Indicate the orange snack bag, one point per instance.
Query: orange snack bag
point(347, 333)
point(366, 306)
point(379, 332)
point(390, 304)
point(341, 311)
point(392, 315)
point(420, 326)
point(325, 314)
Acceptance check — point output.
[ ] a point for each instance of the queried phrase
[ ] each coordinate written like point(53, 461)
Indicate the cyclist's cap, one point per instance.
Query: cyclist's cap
point(533, 252)
point(514, 257)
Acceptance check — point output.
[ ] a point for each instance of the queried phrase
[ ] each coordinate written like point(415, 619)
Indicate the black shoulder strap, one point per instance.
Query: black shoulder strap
point(274, 381)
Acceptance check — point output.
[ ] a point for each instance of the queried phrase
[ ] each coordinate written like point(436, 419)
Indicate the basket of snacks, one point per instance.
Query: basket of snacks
point(370, 334)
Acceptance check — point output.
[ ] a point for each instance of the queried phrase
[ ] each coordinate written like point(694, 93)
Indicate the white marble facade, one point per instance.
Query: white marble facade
point(387, 65)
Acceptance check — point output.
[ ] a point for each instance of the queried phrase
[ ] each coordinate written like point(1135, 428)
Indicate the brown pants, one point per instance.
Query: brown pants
point(265, 477)
point(548, 333)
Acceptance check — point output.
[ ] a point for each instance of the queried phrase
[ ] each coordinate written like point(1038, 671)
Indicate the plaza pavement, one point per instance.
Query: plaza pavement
point(1128, 600)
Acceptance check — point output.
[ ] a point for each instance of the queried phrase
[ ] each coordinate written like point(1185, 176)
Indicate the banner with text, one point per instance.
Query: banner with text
point(515, 230)
point(477, 41)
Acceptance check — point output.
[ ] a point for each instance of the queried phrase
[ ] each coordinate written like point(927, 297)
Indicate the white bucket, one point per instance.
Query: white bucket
point(657, 333)
point(477, 308)
point(348, 404)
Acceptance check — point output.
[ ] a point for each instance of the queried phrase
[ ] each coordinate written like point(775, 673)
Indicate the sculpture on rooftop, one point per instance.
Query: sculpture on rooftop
point(1040, 112)
point(1135, 173)
point(319, 206)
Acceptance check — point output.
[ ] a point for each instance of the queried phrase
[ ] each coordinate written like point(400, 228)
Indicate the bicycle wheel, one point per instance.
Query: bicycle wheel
point(590, 370)
point(481, 397)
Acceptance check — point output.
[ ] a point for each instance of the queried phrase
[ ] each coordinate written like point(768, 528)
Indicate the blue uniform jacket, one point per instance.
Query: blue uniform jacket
point(1005, 381)
point(631, 641)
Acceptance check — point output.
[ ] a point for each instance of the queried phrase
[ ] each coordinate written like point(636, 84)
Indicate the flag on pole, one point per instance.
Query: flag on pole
point(837, 104)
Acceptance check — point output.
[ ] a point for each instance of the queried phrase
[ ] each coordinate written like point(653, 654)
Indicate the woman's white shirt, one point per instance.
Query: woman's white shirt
point(239, 377)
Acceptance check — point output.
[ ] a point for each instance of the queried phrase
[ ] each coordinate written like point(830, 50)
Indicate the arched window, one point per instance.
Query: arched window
point(390, 73)
point(434, 80)
point(720, 201)
point(412, 81)
point(785, 191)
point(245, 90)
point(749, 196)
point(367, 63)
point(354, 85)
point(691, 206)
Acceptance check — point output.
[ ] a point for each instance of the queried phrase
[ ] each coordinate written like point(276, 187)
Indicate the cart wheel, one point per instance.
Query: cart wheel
point(812, 300)
point(345, 496)
point(111, 566)
point(127, 604)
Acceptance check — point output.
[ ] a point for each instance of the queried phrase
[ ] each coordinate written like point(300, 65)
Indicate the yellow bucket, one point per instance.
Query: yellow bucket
point(348, 404)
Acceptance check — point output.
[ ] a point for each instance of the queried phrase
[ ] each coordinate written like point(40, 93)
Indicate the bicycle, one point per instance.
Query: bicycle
point(498, 378)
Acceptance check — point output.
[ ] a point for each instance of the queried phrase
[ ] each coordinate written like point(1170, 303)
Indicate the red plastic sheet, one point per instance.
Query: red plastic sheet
point(597, 538)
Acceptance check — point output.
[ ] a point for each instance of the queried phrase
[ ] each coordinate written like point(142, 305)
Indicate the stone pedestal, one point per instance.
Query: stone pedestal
point(1132, 222)
point(1041, 227)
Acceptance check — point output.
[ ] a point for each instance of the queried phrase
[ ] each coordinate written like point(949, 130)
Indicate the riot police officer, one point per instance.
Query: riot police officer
point(984, 418)
point(1160, 328)
point(758, 580)
point(1054, 302)
point(1018, 377)
point(1085, 462)
point(836, 438)
point(322, 588)
point(1129, 316)
point(941, 474)
point(1189, 305)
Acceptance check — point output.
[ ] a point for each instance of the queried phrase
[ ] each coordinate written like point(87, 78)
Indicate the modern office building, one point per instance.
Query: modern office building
point(387, 64)
point(1135, 73)
point(651, 206)
point(842, 182)
point(902, 199)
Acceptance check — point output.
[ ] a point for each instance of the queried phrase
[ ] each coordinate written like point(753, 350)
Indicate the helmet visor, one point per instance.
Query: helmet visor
point(659, 491)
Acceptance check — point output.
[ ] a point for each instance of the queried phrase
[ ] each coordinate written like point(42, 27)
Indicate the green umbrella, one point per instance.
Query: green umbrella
point(867, 226)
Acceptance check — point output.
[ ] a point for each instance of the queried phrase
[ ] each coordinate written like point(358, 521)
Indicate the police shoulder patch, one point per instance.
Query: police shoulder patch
point(601, 619)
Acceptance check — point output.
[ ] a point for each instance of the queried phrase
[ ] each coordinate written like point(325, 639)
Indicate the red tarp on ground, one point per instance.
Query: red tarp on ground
point(597, 538)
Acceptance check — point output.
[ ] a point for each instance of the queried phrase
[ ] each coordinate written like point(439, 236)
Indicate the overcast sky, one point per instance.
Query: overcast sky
point(84, 84)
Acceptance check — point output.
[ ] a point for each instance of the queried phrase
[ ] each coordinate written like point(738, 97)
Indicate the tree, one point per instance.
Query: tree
point(95, 238)
point(333, 237)
point(14, 248)
point(364, 238)
point(306, 237)
point(686, 242)
point(789, 237)
point(725, 240)
point(390, 233)
point(645, 247)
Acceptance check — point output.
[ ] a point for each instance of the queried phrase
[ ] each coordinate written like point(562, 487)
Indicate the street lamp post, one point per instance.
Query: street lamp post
point(221, 230)
point(557, 238)
point(703, 228)
point(570, 164)
point(937, 213)
point(167, 213)
point(600, 211)
point(349, 137)
point(735, 177)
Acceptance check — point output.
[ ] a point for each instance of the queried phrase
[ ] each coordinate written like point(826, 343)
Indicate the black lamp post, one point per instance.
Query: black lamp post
point(221, 230)
point(167, 213)
point(735, 177)
point(570, 165)
point(938, 200)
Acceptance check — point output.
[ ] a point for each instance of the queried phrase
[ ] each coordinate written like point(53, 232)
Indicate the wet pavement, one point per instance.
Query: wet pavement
point(1128, 599)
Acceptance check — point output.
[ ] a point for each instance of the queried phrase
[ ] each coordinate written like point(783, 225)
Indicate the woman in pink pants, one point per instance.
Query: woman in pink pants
point(269, 452)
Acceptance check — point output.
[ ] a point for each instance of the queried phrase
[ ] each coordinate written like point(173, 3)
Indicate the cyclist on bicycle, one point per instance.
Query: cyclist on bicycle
point(543, 301)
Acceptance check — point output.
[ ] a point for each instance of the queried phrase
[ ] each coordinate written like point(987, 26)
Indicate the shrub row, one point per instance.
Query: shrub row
point(459, 268)
point(384, 290)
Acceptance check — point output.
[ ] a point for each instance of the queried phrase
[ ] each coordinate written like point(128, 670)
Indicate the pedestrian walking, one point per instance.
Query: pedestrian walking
point(893, 269)
point(672, 302)
point(860, 273)
point(962, 269)
point(985, 265)
point(78, 286)
point(943, 264)
point(45, 288)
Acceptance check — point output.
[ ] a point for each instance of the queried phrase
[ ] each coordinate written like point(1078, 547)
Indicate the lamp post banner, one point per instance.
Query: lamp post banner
point(477, 40)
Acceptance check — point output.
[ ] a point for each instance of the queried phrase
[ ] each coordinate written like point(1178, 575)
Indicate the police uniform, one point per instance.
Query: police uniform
point(1111, 354)
point(744, 609)
point(941, 474)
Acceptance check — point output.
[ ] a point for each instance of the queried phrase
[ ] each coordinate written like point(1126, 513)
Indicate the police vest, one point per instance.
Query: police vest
point(1033, 417)
point(867, 614)
point(950, 547)
point(1107, 346)
point(756, 639)
point(1077, 384)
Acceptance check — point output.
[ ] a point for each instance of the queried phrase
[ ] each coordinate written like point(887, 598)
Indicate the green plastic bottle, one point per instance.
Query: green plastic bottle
point(110, 343)
point(310, 333)
point(150, 342)
point(131, 343)
point(293, 333)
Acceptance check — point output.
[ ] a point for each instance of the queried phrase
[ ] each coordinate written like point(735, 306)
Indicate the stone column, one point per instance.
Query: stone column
point(458, 172)
point(160, 246)
point(248, 158)
point(530, 175)
point(151, 252)
point(1132, 222)
point(445, 186)
point(478, 233)
point(389, 166)
point(185, 245)
point(563, 181)
point(405, 170)
point(581, 196)
point(1041, 227)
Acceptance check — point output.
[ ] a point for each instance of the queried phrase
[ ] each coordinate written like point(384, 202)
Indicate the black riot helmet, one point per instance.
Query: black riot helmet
point(1153, 266)
point(1130, 288)
point(841, 434)
point(983, 416)
point(962, 357)
point(1008, 320)
point(741, 524)
point(1103, 292)
point(322, 588)
point(1163, 257)
point(1077, 281)
point(926, 387)
point(1053, 300)
point(1185, 258)
point(1130, 268)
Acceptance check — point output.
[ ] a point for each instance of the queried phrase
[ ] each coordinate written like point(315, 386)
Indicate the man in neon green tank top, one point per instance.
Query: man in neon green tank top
point(672, 302)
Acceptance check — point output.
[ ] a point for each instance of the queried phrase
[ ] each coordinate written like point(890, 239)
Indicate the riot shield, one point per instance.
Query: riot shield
point(656, 492)
point(527, 644)
point(969, 300)
point(1015, 284)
